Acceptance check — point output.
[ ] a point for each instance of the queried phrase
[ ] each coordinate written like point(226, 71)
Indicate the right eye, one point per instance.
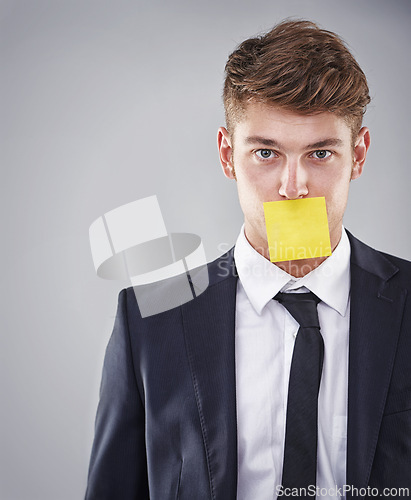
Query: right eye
point(265, 154)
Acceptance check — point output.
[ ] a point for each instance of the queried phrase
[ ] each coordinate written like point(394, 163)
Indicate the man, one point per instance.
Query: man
point(196, 402)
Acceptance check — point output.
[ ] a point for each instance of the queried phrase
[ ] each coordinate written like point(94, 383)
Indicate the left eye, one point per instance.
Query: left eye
point(321, 154)
point(264, 153)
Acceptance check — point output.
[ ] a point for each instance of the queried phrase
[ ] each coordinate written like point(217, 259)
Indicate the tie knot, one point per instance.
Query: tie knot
point(302, 307)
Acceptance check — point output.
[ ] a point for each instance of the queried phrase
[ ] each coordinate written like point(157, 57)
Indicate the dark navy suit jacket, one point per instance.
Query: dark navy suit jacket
point(166, 421)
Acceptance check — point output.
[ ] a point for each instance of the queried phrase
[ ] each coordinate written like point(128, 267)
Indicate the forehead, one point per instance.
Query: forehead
point(289, 128)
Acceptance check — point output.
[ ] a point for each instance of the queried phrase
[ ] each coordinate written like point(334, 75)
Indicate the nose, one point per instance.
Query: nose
point(293, 181)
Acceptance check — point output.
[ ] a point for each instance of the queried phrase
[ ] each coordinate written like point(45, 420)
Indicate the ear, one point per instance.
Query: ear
point(225, 151)
point(362, 143)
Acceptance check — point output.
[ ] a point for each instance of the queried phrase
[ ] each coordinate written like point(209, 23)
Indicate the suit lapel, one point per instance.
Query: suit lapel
point(209, 327)
point(376, 312)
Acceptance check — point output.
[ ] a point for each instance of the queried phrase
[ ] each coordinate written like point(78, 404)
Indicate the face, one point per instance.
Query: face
point(280, 155)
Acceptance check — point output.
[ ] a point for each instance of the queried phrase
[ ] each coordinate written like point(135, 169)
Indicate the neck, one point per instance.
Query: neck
point(301, 267)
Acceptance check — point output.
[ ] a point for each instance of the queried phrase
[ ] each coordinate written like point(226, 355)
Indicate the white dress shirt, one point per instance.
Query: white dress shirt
point(264, 339)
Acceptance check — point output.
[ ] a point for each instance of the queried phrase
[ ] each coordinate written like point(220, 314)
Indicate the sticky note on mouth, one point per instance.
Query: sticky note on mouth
point(297, 229)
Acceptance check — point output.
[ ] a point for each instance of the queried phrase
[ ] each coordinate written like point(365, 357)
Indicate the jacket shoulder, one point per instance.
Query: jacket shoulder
point(381, 264)
point(404, 269)
point(164, 297)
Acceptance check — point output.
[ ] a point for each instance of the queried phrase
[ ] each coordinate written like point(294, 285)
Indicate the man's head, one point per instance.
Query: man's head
point(294, 104)
point(297, 67)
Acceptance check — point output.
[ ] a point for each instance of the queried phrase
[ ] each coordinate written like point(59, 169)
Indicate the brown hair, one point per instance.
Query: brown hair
point(296, 66)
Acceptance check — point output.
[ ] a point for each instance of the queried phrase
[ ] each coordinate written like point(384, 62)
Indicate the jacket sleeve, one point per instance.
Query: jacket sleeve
point(118, 466)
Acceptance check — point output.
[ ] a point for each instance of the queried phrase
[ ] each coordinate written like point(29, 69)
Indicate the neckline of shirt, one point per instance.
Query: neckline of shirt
point(262, 280)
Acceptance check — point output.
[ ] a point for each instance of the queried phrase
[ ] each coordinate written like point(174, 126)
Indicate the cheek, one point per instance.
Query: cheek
point(252, 193)
point(259, 185)
point(249, 196)
point(336, 196)
point(333, 184)
point(247, 184)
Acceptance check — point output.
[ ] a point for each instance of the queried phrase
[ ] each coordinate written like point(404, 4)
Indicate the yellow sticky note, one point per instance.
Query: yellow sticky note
point(297, 229)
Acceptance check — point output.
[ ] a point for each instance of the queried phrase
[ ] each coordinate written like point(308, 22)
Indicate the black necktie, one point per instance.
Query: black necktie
point(300, 452)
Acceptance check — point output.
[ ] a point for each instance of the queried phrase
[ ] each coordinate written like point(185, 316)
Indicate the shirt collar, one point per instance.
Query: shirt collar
point(262, 280)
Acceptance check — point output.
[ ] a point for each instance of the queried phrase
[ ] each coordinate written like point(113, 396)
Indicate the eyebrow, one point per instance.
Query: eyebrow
point(256, 139)
point(324, 143)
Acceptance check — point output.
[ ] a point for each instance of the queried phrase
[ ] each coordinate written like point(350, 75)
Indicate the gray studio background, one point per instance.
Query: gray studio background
point(106, 102)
